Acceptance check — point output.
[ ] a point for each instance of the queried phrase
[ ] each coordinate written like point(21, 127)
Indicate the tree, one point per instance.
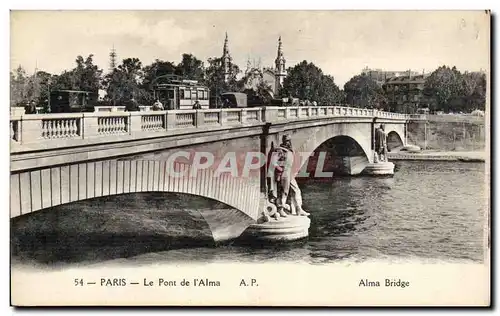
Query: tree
point(258, 90)
point(214, 77)
point(126, 81)
point(156, 69)
point(18, 87)
point(43, 81)
point(473, 91)
point(264, 92)
point(330, 92)
point(307, 82)
point(26, 88)
point(86, 75)
point(190, 68)
point(114, 84)
point(444, 85)
point(362, 91)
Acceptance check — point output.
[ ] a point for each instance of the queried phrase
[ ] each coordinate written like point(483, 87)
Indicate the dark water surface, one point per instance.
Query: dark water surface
point(428, 211)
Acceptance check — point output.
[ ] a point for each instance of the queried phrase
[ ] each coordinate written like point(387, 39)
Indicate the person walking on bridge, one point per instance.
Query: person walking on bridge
point(132, 105)
point(158, 106)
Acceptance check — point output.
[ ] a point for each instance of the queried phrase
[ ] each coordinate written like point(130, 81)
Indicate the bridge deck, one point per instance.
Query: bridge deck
point(49, 131)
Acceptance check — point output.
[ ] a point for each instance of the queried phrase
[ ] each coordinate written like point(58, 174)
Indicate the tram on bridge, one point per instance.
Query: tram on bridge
point(176, 93)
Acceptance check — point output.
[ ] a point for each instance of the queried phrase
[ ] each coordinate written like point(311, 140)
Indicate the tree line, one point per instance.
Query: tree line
point(445, 89)
point(449, 90)
point(128, 79)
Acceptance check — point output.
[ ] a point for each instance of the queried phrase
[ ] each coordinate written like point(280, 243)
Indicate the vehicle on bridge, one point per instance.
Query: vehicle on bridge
point(176, 93)
point(68, 101)
point(243, 100)
point(234, 100)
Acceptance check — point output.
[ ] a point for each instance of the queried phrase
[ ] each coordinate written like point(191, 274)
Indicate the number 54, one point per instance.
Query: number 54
point(78, 282)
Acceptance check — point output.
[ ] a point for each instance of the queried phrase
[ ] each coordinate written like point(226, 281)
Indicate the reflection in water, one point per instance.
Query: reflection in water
point(428, 210)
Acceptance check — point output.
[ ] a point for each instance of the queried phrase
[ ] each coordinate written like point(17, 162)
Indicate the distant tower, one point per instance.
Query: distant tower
point(280, 71)
point(112, 59)
point(249, 66)
point(36, 86)
point(226, 60)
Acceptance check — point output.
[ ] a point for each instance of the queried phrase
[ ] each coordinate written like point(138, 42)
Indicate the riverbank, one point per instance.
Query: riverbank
point(466, 156)
point(448, 134)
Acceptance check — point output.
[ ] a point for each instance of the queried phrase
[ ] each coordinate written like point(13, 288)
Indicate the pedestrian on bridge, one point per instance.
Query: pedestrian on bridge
point(30, 108)
point(158, 106)
point(132, 105)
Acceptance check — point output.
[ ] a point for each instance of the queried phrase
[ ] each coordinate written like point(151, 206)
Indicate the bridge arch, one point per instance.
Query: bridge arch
point(395, 135)
point(340, 155)
point(306, 141)
point(177, 217)
point(394, 140)
point(39, 189)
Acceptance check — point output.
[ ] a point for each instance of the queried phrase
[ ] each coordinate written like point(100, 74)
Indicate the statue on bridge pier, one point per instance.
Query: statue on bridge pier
point(380, 144)
point(284, 192)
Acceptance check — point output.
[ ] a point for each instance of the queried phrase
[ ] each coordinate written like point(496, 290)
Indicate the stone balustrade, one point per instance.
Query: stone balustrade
point(35, 128)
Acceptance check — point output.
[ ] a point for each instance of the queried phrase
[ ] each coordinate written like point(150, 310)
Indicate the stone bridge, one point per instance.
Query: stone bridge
point(63, 158)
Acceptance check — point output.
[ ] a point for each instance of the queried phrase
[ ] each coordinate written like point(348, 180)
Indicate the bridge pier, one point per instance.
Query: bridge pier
point(290, 228)
point(378, 168)
point(354, 165)
point(227, 224)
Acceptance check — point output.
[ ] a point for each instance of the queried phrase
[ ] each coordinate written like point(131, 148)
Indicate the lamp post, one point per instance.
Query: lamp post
point(425, 135)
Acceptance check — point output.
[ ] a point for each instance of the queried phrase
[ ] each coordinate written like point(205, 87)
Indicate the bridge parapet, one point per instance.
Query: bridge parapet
point(51, 129)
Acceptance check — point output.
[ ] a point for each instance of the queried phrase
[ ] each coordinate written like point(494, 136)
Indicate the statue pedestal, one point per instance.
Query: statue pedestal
point(284, 229)
point(379, 169)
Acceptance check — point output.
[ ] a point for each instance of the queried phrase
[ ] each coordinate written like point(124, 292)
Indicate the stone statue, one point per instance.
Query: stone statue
point(380, 144)
point(284, 192)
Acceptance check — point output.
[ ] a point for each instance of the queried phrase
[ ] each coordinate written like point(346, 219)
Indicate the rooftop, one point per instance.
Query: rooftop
point(407, 79)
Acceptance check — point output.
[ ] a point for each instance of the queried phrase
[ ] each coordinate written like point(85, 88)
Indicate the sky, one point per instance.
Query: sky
point(341, 43)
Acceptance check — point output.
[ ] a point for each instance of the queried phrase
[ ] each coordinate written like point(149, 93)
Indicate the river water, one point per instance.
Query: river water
point(428, 211)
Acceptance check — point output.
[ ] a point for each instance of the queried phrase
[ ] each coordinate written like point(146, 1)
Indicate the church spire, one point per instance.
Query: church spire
point(225, 50)
point(280, 51)
point(226, 59)
point(280, 60)
point(280, 66)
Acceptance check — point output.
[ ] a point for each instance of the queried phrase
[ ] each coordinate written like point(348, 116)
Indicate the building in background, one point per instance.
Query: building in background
point(273, 77)
point(380, 76)
point(405, 93)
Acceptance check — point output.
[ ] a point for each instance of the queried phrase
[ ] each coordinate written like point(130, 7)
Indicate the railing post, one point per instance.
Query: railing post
point(269, 114)
point(171, 118)
point(31, 129)
point(135, 122)
point(199, 118)
point(223, 117)
point(243, 116)
point(89, 125)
